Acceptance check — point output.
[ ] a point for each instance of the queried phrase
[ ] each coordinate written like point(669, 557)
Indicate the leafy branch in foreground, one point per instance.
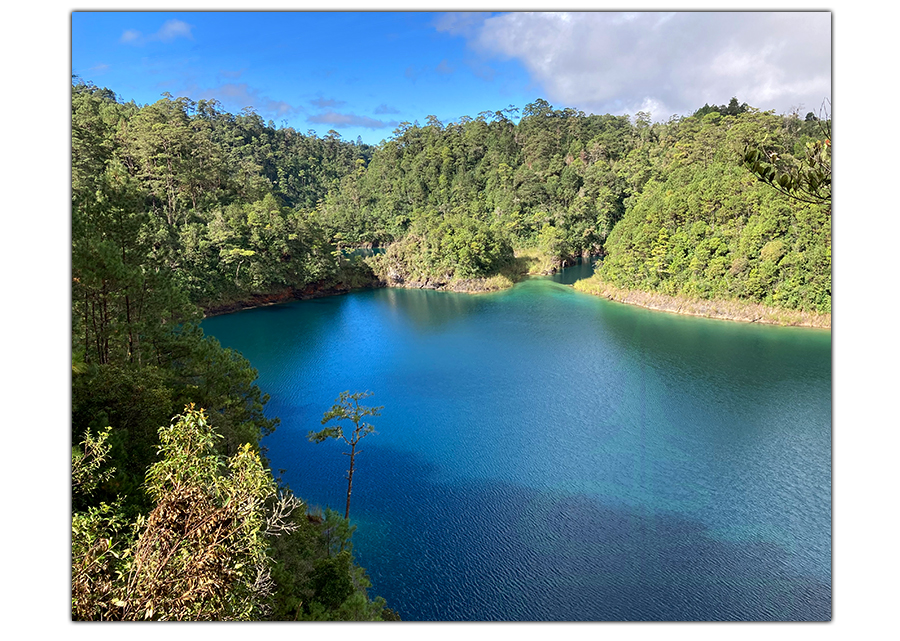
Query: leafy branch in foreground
point(808, 182)
point(807, 179)
point(87, 459)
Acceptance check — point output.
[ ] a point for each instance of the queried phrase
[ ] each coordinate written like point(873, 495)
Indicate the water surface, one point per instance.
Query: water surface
point(549, 455)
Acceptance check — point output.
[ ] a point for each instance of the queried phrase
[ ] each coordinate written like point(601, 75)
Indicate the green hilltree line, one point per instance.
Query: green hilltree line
point(179, 207)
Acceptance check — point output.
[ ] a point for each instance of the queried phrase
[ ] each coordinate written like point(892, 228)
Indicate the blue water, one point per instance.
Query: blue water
point(548, 455)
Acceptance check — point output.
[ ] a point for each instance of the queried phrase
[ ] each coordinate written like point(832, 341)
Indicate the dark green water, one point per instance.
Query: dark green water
point(548, 455)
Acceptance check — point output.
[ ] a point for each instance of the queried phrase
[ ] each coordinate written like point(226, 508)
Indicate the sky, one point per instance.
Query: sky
point(363, 73)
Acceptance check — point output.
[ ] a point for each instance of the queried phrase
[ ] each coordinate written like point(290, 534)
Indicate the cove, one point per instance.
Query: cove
point(549, 455)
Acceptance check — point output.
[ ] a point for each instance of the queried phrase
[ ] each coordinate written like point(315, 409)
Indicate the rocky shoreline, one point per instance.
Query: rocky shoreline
point(321, 290)
point(315, 290)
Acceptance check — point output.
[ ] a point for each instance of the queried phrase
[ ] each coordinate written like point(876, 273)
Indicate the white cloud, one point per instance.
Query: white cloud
point(225, 73)
point(170, 30)
point(670, 62)
point(173, 29)
point(130, 35)
point(461, 23)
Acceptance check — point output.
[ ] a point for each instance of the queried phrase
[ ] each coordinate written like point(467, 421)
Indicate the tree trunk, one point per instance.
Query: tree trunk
point(350, 481)
point(96, 331)
point(87, 344)
point(130, 329)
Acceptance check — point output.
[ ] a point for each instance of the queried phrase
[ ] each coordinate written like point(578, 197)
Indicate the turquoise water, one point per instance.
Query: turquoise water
point(548, 455)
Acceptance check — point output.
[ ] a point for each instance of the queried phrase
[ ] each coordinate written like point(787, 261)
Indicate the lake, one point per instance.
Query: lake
point(544, 454)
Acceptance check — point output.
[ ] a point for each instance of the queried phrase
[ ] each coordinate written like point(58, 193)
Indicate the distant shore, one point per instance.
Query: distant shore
point(527, 262)
point(733, 310)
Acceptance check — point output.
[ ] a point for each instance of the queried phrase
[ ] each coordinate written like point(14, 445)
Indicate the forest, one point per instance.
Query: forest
point(180, 209)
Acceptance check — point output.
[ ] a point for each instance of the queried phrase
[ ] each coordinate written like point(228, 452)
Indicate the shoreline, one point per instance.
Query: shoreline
point(719, 309)
point(487, 285)
point(285, 295)
point(490, 284)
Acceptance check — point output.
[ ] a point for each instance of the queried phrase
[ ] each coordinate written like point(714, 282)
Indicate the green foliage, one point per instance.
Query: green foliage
point(100, 533)
point(705, 229)
point(807, 179)
point(336, 532)
point(135, 398)
point(331, 581)
point(132, 402)
point(87, 461)
point(445, 248)
point(202, 553)
point(223, 381)
point(101, 539)
point(225, 207)
point(258, 247)
point(313, 568)
point(347, 408)
point(178, 201)
point(731, 109)
point(514, 178)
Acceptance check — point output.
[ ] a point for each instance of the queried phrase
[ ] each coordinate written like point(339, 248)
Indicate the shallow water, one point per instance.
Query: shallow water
point(548, 455)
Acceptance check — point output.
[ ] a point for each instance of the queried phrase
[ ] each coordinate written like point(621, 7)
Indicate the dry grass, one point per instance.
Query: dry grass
point(531, 261)
point(493, 283)
point(734, 310)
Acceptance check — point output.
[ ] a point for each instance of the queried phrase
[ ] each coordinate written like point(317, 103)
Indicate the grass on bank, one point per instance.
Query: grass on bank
point(529, 261)
point(735, 310)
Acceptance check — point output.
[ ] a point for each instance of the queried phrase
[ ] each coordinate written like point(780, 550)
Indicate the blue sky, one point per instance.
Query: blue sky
point(362, 74)
point(358, 73)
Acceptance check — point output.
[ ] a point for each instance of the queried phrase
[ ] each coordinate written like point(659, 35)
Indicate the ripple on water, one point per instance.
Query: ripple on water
point(546, 455)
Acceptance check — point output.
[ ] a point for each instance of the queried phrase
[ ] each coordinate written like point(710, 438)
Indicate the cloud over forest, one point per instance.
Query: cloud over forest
point(666, 63)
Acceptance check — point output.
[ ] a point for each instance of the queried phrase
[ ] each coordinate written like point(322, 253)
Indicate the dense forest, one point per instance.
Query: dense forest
point(181, 209)
point(175, 205)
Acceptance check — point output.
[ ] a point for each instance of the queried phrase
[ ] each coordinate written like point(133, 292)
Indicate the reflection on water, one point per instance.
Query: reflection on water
point(427, 309)
point(583, 268)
